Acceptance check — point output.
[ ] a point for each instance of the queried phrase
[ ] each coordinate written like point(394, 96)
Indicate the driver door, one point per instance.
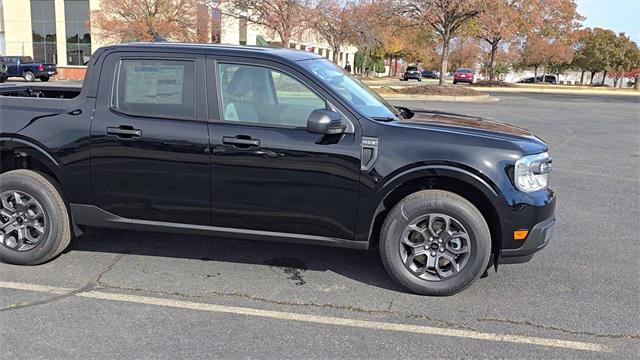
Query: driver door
point(268, 172)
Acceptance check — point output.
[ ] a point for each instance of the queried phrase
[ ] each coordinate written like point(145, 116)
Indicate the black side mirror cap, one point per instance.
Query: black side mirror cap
point(405, 112)
point(325, 122)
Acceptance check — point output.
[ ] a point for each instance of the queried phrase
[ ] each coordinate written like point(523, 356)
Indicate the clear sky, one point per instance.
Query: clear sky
point(617, 15)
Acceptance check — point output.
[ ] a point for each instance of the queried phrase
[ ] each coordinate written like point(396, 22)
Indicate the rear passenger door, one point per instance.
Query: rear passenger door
point(149, 138)
point(268, 172)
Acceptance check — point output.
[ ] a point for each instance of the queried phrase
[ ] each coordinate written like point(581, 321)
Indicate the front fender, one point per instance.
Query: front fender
point(374, 200)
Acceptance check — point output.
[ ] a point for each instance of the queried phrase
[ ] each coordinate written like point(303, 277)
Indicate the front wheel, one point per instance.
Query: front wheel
point(435, 242)
point(34, 222)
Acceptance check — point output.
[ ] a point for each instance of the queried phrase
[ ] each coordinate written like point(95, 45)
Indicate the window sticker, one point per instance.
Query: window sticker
point(153, 84)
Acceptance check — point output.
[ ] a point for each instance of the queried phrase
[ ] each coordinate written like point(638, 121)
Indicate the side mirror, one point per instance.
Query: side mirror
point(325, 122)
point(405, 112)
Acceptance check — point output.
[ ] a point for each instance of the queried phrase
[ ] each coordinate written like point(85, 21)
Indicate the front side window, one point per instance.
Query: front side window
point(256, 94)
point(161, 88)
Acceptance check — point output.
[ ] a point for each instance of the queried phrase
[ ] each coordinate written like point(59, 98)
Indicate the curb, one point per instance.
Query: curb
point(557, 91)
point(478, 98)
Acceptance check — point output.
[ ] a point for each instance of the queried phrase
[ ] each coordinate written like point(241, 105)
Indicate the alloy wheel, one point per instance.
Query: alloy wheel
point(435, 247)
point(22, 221)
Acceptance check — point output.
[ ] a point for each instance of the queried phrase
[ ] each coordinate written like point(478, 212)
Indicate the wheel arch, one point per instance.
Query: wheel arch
point(23, 154)
point(481, 192)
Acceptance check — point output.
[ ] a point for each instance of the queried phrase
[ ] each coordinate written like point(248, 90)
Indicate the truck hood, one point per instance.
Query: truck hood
point(477, 126)
point(457, 120)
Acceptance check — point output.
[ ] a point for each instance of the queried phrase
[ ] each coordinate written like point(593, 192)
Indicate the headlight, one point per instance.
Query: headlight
point(532, 172)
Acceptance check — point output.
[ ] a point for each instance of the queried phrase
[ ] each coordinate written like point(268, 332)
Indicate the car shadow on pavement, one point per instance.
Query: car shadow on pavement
point(358, 265)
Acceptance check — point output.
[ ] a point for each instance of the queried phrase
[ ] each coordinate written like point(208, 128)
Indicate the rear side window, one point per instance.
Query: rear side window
point(162, 88)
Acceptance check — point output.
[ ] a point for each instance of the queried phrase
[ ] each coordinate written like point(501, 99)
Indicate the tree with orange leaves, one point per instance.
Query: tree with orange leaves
point(446, 18)
point(145, 20)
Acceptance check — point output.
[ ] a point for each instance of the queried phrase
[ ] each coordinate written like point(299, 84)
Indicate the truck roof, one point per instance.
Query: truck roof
point(220, 49)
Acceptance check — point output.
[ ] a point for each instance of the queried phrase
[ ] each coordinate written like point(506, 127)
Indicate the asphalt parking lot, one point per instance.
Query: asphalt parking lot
point(115, 294)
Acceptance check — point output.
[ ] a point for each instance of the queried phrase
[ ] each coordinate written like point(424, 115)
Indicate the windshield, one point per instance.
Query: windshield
point(358, 95)
point(412, 68)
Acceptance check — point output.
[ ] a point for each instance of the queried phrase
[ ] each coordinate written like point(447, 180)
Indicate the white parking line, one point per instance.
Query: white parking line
point(316, 319)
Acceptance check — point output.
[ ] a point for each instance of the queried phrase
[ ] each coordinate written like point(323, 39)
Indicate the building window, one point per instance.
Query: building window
point(43, 31)
point(77, 23)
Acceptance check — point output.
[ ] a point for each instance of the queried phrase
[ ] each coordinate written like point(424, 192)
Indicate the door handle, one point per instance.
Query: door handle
point(124, 131)
point(240, 142)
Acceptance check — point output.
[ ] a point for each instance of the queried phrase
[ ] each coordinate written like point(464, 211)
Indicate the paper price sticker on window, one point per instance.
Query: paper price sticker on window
point(153, 84)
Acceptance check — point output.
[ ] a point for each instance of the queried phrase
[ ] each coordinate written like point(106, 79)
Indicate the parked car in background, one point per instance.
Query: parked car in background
point(28, 69)
point(551, 79)
point(267, 144)
point(412, 72)
point(429, 74)
point(3, 71)
point(463, 75)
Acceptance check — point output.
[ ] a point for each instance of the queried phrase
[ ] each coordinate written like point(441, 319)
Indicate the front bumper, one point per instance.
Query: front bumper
point(539, 237)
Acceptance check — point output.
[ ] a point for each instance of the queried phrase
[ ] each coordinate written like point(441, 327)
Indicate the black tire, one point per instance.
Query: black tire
point(57, 229)
point(44, 78)
point(454, 82)
point(419, 80)
point(29, 76)
point(441, 202)
point(3, 79)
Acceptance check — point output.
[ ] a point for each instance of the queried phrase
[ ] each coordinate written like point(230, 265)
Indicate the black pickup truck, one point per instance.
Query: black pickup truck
point(268, 144)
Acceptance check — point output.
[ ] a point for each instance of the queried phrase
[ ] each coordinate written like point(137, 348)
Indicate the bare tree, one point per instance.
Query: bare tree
point(333, 20)
point(284, 17)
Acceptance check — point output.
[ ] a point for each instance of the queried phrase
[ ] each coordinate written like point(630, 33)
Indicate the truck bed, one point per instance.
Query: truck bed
point(40, 91)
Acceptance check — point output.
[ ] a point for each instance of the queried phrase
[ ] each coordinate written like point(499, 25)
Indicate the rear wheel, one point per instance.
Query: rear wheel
point(44, 78)
point(28, 76)
point(3, 79)
point(34, 222)
point(454, 82)
point(435, 243)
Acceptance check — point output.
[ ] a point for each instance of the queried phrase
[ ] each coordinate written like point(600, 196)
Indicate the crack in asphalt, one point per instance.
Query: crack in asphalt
point(298, 304)
point(98, 283)
point(90, 286)
point(555, 328)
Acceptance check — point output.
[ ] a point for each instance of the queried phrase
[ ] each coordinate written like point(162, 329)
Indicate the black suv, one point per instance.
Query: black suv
point(550, 79)
point(267, 144)
point(412, 72)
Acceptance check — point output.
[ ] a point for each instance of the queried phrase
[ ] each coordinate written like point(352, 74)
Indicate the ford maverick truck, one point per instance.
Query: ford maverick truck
point(266, 144)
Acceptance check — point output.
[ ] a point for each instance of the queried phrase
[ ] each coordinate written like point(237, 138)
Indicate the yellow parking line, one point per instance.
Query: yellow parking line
point(316, 319)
